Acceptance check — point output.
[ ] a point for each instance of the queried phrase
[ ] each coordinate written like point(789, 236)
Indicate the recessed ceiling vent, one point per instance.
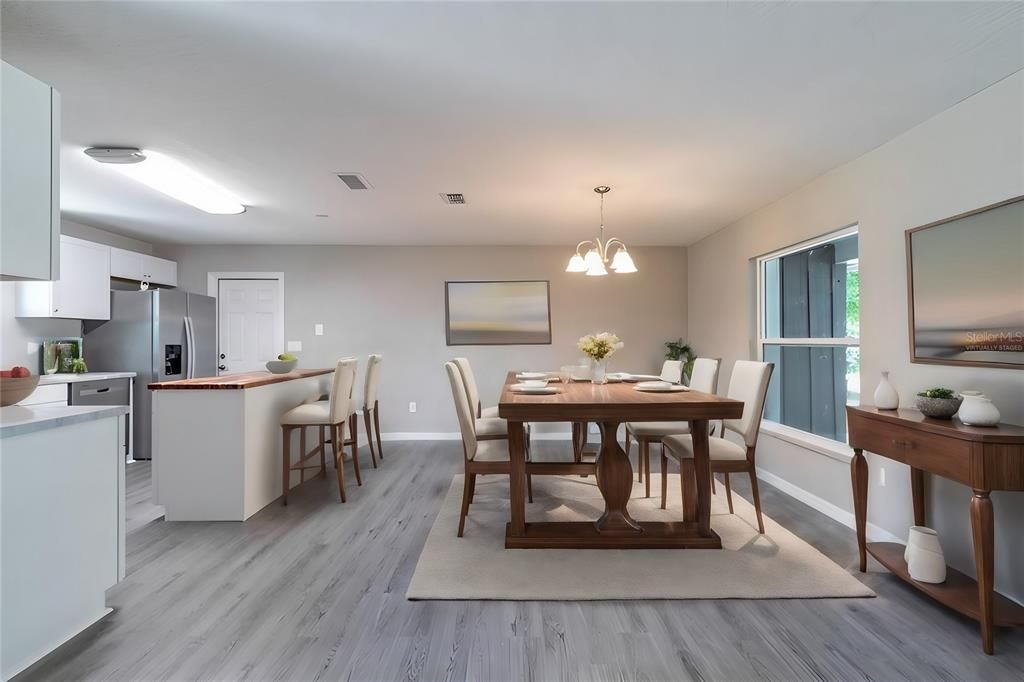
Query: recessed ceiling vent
point(453, 198)
point(353, 180)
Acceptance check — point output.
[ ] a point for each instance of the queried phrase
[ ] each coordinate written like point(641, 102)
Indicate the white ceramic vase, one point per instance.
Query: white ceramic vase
point(925, 559)
point(977, 409)
point(886, 397)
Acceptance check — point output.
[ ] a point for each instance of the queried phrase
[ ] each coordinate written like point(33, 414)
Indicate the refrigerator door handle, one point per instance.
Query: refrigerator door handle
point(191, 344)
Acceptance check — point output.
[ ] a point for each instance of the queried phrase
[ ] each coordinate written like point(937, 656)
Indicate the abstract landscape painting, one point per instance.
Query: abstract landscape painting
point(967, 288)
point(497, 313)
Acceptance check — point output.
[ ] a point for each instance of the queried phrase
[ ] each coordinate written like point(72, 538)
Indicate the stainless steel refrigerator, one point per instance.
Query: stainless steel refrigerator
point(161, 335)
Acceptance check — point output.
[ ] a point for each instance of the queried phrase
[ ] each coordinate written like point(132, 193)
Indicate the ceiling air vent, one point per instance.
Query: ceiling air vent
point(353, 180)
point(453, 198)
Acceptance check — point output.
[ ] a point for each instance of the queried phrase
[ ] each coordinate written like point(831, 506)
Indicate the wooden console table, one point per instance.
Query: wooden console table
point(985, 459)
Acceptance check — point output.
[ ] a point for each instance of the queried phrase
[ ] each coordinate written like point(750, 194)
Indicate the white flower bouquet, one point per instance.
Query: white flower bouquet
point(599, 346)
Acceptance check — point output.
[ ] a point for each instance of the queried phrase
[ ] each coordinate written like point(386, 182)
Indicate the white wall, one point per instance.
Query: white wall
point(966, 157)
point(390, 300)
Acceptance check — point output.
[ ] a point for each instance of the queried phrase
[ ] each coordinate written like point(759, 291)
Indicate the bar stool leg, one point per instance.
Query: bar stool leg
point(323, 454)
point(286, 458)
point(369, 435)
point(376, 427)
point(355, 447)
point(302, 454)
point(339, 463)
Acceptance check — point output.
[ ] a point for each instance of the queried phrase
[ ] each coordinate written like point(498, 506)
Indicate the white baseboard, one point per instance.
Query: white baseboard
point(874, 533)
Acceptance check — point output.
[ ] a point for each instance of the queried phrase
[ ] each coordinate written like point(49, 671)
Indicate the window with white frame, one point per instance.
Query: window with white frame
point(809, 326)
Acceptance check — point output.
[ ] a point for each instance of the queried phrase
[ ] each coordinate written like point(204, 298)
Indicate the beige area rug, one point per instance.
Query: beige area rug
point(777, 565)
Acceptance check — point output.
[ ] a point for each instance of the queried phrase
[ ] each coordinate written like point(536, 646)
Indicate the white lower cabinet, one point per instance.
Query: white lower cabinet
point(62, 540)
point(81, 293)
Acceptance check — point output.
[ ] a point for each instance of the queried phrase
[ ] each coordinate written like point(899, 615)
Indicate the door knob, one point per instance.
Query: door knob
point(221, 367)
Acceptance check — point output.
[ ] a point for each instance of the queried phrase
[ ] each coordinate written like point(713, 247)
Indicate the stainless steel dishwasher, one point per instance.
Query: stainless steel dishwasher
point(104, 392)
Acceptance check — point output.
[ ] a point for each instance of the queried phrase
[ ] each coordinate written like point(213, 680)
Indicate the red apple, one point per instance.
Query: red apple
point(20, 372)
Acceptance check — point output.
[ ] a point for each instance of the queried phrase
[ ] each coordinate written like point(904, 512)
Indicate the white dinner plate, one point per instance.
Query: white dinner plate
point(673, 388)
point(534, 390)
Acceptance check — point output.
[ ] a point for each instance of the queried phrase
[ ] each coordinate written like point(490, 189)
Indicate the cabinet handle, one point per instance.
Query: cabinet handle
point(903, 443)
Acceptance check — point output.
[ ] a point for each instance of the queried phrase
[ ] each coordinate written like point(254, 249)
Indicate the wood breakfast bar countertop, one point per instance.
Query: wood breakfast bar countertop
point(610, 405)
point(239, 380)
point(217, 441)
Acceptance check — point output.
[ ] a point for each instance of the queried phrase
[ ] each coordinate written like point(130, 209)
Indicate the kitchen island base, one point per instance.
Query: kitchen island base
point(217, 441)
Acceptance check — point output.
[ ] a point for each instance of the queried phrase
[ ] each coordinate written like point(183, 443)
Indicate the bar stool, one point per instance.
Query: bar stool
point(335, 414)
point(370, 409)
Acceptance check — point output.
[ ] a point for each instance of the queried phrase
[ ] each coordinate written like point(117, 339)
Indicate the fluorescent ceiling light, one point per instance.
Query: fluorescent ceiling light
point(176, 180)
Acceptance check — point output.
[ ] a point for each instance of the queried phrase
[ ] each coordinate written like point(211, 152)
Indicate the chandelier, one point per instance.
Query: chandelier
point(600, 252)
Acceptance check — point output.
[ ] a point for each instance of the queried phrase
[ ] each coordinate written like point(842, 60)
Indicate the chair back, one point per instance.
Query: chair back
point(672, 371)
point(467, 420)
point(749, 383)
point(372, 377)
point(704, 377)
point(472, 392)
point(340, 405)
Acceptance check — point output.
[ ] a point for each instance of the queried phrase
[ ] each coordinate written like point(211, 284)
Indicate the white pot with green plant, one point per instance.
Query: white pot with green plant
point(598, 347)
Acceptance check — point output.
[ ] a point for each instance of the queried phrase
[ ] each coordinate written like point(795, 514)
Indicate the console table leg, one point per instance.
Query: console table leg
point(982, 531)
point(859, 474)
point(917, 489)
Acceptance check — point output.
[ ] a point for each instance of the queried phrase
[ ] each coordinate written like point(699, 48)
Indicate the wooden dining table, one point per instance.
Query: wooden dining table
point(610, 405)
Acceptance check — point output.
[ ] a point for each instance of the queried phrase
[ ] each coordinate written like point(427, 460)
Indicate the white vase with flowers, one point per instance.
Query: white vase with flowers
point(598, 347)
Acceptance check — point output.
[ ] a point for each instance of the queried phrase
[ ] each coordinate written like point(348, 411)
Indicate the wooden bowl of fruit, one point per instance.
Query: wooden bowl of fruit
point(16, 384)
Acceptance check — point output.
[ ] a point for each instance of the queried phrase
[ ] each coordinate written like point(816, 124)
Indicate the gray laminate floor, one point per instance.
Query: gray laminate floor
point(316, 590)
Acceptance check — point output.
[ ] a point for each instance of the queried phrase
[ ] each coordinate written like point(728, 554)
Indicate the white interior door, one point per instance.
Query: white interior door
point(248, 323)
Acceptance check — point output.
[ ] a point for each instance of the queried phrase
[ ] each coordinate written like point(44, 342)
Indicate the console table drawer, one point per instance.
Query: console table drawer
point(946, 457)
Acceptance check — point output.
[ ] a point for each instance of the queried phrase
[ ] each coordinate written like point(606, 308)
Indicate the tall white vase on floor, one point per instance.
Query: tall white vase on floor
point(886, 397)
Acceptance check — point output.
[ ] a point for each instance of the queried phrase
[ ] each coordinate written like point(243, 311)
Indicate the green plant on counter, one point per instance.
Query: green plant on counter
point(680, 350)
point(943, 393)
point(78, 366)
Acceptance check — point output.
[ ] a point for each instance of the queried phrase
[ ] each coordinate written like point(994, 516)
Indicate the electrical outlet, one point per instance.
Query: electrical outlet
point(295, 346)
point(881, 476)
point(412, 407)
point(318, 330)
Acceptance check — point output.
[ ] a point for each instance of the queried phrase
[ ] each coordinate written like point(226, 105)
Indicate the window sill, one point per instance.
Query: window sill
point(825, 446)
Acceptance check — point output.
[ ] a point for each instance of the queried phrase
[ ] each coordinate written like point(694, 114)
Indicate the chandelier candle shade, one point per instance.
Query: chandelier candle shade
point(598, 257)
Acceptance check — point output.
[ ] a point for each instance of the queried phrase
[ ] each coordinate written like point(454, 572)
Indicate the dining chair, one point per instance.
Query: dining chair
point(370, 408)
point(749, 384)
point(704, 378)
point(672, 371)
point(489, 426)
point(479, 456)
point(333, 414)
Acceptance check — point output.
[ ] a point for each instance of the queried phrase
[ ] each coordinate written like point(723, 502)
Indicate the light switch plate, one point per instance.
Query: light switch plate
point(318, 330)
point(295, 346)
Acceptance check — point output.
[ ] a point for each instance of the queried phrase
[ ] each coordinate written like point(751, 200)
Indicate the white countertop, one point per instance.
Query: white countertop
point(47, 379)
point(18, 420)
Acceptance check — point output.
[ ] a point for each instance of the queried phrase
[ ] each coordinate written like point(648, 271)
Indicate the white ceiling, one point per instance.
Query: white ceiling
point(696, 114)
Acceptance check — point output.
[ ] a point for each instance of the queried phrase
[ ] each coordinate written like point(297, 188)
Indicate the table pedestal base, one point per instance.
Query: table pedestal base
point(585, 535)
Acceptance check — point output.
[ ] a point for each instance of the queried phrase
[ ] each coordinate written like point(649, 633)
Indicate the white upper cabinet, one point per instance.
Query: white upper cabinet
point(81, 293)
point(30, 182)
point(125, 264)
point(140, 266)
